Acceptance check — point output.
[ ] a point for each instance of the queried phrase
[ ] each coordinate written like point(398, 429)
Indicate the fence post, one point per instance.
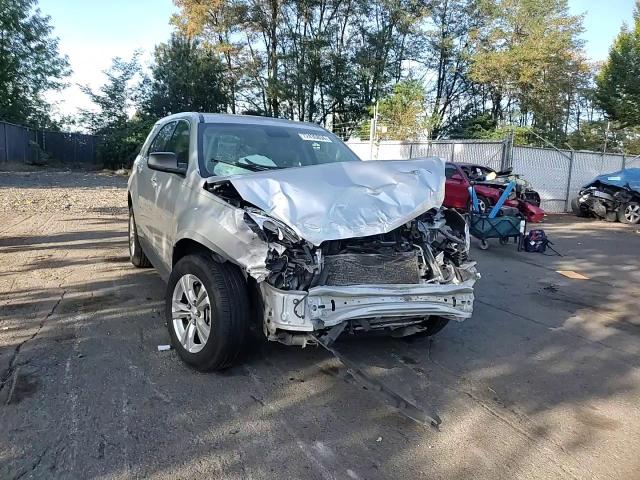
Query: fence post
point(567, 199)
point(453, 152)
point(503, 160)
point(624, 161)
point(6, 144)
point(410, 150)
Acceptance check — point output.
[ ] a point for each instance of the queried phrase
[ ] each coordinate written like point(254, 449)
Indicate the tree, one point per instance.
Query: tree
point(449, 46)
point(30, 63)
point(115, 100)
point(403, 112)
point(618, 84)
point(185, 77)
point(530, 58)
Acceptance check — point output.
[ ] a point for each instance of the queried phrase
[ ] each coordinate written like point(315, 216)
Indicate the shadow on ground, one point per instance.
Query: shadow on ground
point(541, 383)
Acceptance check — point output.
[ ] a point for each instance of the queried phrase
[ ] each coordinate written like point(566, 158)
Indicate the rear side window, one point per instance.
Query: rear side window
point(162, 138)
point(179, 142)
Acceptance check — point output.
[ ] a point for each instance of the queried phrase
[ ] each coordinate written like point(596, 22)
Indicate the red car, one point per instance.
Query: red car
point(460, 176)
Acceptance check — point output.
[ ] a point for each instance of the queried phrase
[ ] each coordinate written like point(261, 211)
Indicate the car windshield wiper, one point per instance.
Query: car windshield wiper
point(254, 167)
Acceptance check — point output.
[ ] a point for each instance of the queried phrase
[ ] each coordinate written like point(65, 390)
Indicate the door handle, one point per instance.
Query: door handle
point(154, 182)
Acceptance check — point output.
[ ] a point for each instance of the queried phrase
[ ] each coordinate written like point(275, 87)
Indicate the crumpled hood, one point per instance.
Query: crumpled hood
point(345, 200)
point(629, 178)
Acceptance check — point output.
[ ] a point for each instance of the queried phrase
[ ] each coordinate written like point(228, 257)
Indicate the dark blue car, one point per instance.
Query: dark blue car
point(613, 196)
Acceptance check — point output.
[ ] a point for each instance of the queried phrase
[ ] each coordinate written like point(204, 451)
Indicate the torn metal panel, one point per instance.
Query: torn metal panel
point(347, 199)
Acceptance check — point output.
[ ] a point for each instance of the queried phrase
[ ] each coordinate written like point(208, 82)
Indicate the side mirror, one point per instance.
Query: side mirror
point(166, 162)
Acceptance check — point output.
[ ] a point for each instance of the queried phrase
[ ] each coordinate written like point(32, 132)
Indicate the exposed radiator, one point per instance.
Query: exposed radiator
point(371, 269)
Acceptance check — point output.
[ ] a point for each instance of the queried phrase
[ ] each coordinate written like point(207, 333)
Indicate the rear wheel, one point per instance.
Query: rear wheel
point(629, 213)
point(136, 255)
point(207, 311)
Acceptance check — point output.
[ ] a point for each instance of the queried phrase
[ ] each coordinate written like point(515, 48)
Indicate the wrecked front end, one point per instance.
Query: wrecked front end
point(410, 266)
point(393, 282)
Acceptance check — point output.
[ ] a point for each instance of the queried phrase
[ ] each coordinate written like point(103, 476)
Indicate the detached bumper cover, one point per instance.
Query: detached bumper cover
point(326, 306)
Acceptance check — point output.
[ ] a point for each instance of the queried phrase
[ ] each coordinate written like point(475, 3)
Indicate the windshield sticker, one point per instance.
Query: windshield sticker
point(312, 137)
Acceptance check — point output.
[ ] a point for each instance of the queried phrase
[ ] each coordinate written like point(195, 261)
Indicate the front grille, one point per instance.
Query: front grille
point(371, 269)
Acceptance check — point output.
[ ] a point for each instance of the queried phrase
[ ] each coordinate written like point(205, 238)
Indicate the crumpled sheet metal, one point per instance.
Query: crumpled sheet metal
point(628, 178)
point(345, 200)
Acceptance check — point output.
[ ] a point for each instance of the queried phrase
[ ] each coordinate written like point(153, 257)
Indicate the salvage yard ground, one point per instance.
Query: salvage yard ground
point(542, 382)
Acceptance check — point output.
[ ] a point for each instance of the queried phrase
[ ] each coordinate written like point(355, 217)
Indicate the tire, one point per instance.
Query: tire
point(611, 217)
point(484, 205)
point(484, 245)
point(225, 308)
point(629, 213)
point(575, 207)
point(136, 255)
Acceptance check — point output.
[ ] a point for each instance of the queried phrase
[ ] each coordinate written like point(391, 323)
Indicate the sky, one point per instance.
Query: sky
point(92, 32)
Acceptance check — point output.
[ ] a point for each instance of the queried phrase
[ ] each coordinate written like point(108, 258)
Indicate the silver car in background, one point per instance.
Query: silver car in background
point(277, 225)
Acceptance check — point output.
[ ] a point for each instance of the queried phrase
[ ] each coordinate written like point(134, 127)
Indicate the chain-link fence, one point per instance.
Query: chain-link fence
point(26, 145)
point(556, 174)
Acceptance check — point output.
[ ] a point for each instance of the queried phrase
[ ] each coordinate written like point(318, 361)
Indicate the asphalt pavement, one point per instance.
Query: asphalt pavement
point(542, 383)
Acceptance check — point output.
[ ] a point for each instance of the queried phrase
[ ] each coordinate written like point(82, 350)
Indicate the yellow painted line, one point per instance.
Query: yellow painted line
point(572, 274)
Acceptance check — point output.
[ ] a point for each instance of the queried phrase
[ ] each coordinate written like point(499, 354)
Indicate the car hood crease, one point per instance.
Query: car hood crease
point(345, 200)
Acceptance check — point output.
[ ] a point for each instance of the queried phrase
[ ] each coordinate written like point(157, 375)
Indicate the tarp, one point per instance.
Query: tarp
point(629, 178)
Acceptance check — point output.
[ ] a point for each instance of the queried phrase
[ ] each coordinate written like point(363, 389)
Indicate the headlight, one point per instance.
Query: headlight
point(269, 229)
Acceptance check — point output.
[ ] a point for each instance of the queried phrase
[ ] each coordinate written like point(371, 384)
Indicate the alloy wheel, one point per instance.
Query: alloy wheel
point(632, 213)
point(191, 313)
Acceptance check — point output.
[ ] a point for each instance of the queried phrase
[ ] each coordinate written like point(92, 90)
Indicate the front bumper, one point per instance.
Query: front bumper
point(326, 306)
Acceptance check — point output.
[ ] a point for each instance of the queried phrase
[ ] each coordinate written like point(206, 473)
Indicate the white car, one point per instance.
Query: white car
point(275, 224)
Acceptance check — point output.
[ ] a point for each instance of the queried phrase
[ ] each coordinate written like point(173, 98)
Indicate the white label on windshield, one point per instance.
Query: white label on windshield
point(312, 137)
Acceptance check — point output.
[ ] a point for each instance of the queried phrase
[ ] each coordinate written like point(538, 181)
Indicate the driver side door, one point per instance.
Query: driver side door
point(148, 186)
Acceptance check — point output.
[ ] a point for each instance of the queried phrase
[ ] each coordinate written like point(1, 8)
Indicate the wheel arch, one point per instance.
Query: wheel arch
point(192, 243)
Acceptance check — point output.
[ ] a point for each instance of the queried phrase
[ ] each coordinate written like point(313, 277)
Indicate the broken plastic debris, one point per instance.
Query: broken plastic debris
point(379, 439)
point(164, 348)
point(572, 274)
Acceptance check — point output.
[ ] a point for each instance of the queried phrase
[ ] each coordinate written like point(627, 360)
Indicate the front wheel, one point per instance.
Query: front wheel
point(575, 207)
point(484, 205)
point(629, 213)
point(207, 311)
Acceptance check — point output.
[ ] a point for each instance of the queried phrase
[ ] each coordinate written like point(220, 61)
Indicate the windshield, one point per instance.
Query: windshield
point(230, 149)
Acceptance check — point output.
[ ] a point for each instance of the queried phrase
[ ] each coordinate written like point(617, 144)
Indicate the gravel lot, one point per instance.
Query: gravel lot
point(543, 381)
point(63, 191)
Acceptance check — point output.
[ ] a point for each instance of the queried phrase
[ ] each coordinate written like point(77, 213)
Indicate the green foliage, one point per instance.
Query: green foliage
point(115, 99)
point(185, 77)
point(472, 125)
point(530, 56)
point(402, 113)
point(120, 146)
point(30, 63)
point(618, 83)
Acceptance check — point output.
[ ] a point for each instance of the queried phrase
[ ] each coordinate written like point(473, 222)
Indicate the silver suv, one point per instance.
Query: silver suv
point(277, 225)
